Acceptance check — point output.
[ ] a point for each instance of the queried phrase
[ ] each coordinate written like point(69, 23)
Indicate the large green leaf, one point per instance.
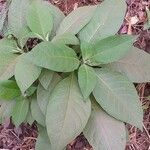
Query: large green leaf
point(135, 65)
point(17, 15)
point(9, 90)
point(6, 109)
point(40, 19)
point(109, 49)
point(43, 95)
point(36, 112)
point(7, 58)
point(29, 118)
point(58, 16)
point(76, 20)
point(26, 73)
point(106, 21)
point(56, 57)
point(118, 97)
point(104, 132)
point(43, 140)
point(20, 110)
point(87, 80)
point(46, 78)
point(72, 116)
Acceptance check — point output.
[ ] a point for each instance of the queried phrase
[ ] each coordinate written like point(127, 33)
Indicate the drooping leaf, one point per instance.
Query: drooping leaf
point(76, 20)
point(40, 19)
point(20, 110)
point(87, 80)
point(9, 90)
point(72, 116)
point(104, 132)
point(135, 65)
point(46, 78)
point(109, 49)
point(36, 112)
point(17, 15)
point(29, 118)
point(118, 97)
point(26, 73)
point(54, 57)
point(105, 22)
point(6, 109)
point(43, 141)
point(67, 39)
point(43, 95)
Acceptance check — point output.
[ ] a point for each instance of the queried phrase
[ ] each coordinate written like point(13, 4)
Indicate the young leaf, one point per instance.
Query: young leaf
point(6, 109)
point(20, 110)
point(26, 73)
point(105, 22)
point(135, 65)
point(42, 140)
point(44, 94)
point(72, 116)
point(9, 90)
point(87, 80)
point(46, 78)
point(110, 49)
point(118, 97)
point(36, 112)
point(40, 19)
point(54, 57)
point(17, 15)
point(67, 39)
point(76, 20)
point(104, 132)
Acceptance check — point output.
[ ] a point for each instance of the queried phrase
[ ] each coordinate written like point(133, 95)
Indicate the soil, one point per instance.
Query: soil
point(24, 137)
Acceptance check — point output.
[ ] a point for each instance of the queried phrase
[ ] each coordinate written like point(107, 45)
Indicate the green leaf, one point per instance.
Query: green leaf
point(20, 111)
point(104, 132)
point(40, 19)
point(46, 78)
point(54, 57)
point(67, 39)
point(110, 49)
point(17, 15)
point(87, 50)
point(76, 20)
point(87, 80)
point(6, 109)
point(36, 112)
point(29, 118)
point(26, 73)
point(8, 59)
point(43, 140)
point(135, 65)
point(9, 90)
point(105, 22)
point(58, 16)
point(118, 97)
point(72, 116)
point(44, 94)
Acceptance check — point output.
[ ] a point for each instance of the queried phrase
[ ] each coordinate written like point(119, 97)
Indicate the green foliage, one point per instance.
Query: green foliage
point(79, 60)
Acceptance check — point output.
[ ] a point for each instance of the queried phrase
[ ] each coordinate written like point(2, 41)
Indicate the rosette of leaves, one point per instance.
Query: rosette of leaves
point(79, 78)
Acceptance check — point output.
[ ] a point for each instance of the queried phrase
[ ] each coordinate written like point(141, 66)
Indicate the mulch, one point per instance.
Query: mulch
point(24, 137)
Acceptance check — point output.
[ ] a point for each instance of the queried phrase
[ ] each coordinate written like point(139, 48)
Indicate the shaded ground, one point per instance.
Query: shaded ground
point(24, 138)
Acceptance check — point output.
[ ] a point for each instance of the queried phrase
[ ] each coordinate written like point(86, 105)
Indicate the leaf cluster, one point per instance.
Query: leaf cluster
point(78, 79)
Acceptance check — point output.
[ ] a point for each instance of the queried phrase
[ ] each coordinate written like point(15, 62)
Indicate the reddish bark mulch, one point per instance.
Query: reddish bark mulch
point(24, 138)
